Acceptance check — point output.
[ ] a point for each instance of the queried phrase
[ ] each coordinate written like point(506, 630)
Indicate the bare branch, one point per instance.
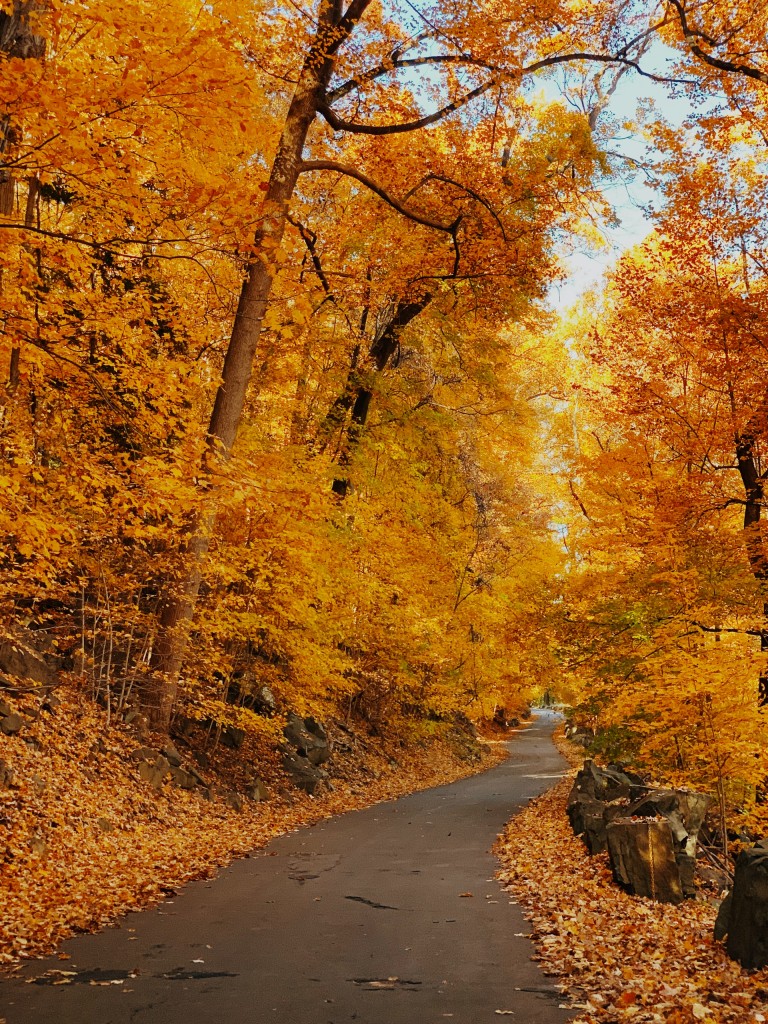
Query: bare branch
point(394, 64)
point(339, 124)
point(463, 188)
point(310, 240)
point(350, 172)
point(692, 34)
point(726, 629)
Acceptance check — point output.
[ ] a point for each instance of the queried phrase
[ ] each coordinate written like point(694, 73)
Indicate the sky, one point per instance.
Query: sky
point(631, 199)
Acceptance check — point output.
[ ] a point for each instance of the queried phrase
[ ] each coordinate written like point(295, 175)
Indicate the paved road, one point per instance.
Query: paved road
point(359, 918)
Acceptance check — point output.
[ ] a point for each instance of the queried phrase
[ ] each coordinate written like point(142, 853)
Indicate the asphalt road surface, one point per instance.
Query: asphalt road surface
point(365, 917)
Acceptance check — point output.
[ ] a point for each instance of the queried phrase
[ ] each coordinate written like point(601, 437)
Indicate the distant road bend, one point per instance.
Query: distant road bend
point(366, 917)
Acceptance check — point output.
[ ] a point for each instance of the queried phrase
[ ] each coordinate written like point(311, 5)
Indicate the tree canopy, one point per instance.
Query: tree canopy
point(285, 397)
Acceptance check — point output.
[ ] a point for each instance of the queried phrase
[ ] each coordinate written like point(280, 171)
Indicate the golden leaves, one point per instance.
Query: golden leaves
point(618, 958)
point(66, 787)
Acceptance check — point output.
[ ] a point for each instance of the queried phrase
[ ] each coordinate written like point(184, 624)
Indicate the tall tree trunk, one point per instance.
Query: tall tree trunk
point(359, 392)
point(754, 492)
point(178, 603)
point(17, 40)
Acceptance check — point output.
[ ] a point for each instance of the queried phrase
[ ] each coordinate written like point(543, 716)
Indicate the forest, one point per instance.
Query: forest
point(291, 417)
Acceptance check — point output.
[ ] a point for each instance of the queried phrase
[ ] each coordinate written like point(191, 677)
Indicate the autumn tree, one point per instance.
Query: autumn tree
point(355, 76)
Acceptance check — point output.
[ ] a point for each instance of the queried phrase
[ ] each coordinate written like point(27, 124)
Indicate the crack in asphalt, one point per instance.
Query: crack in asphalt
point(371, 903)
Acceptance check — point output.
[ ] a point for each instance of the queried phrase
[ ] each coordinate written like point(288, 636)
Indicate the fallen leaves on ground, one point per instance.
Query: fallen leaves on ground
point(85, 840)
point(619, 958)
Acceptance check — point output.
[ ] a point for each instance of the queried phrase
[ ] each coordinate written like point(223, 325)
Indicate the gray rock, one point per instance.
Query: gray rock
point(155, 771)
point(643, 859)
point(11, 724)
point(171, 754)
point(304, 774)
point(604, 784)
point(723, 919)
point(105, 825)
point(247, 690)
point(181, 778)
point(595, 790)
point(196, 775)
point(586, 817)
point(145, 754)
point(684, 810)
point(308, 737)
point(22, 661)
point(747, 922)
point(5, 708)
point(232, 737)
point(233, 800)
point(257, 790)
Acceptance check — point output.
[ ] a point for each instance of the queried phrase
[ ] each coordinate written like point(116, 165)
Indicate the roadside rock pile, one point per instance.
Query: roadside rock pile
point(307, 748)
point(650, 834)
point(157, 766)
point(743, 916)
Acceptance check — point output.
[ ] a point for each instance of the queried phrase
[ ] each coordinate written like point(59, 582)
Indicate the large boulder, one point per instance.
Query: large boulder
point(604, 784)
point(597, 796)
point(643, 860)
point(232, 737)
point(744, 914)
point(11, 724)
point(19, 659)
point(308, 737)
point(155, 771)
point(684, 811)
point(304, 774)
point(586, 817)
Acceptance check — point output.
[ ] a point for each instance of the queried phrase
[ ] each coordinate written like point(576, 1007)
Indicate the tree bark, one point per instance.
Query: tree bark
point(17, 40)
point(359, 393)
point(754, 493)
point(178, 604)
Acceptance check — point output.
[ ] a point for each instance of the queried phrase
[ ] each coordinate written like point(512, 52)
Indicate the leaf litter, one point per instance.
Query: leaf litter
point(64, 784)
point(618, 958)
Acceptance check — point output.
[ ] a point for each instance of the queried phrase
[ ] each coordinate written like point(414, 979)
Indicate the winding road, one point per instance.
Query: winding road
point(389, 915)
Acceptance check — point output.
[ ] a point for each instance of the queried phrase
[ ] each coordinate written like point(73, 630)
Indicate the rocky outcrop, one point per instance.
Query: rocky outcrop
point(22, 662)
point(743, 916)
point(603, 796)
point(307, 748)
point(643, 858)
point(684, 812)
point(308, 737)
point(597, 796)
point(304, 774)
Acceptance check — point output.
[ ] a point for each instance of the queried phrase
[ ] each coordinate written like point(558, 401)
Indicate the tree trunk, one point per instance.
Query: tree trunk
point(360, 397)
point(17, 40)
point(754, 492)
point(178, 604)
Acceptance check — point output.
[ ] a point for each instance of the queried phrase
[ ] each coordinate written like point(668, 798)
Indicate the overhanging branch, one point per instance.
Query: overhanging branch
point(691, 34)
point(350, 172)
point(340, 124)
